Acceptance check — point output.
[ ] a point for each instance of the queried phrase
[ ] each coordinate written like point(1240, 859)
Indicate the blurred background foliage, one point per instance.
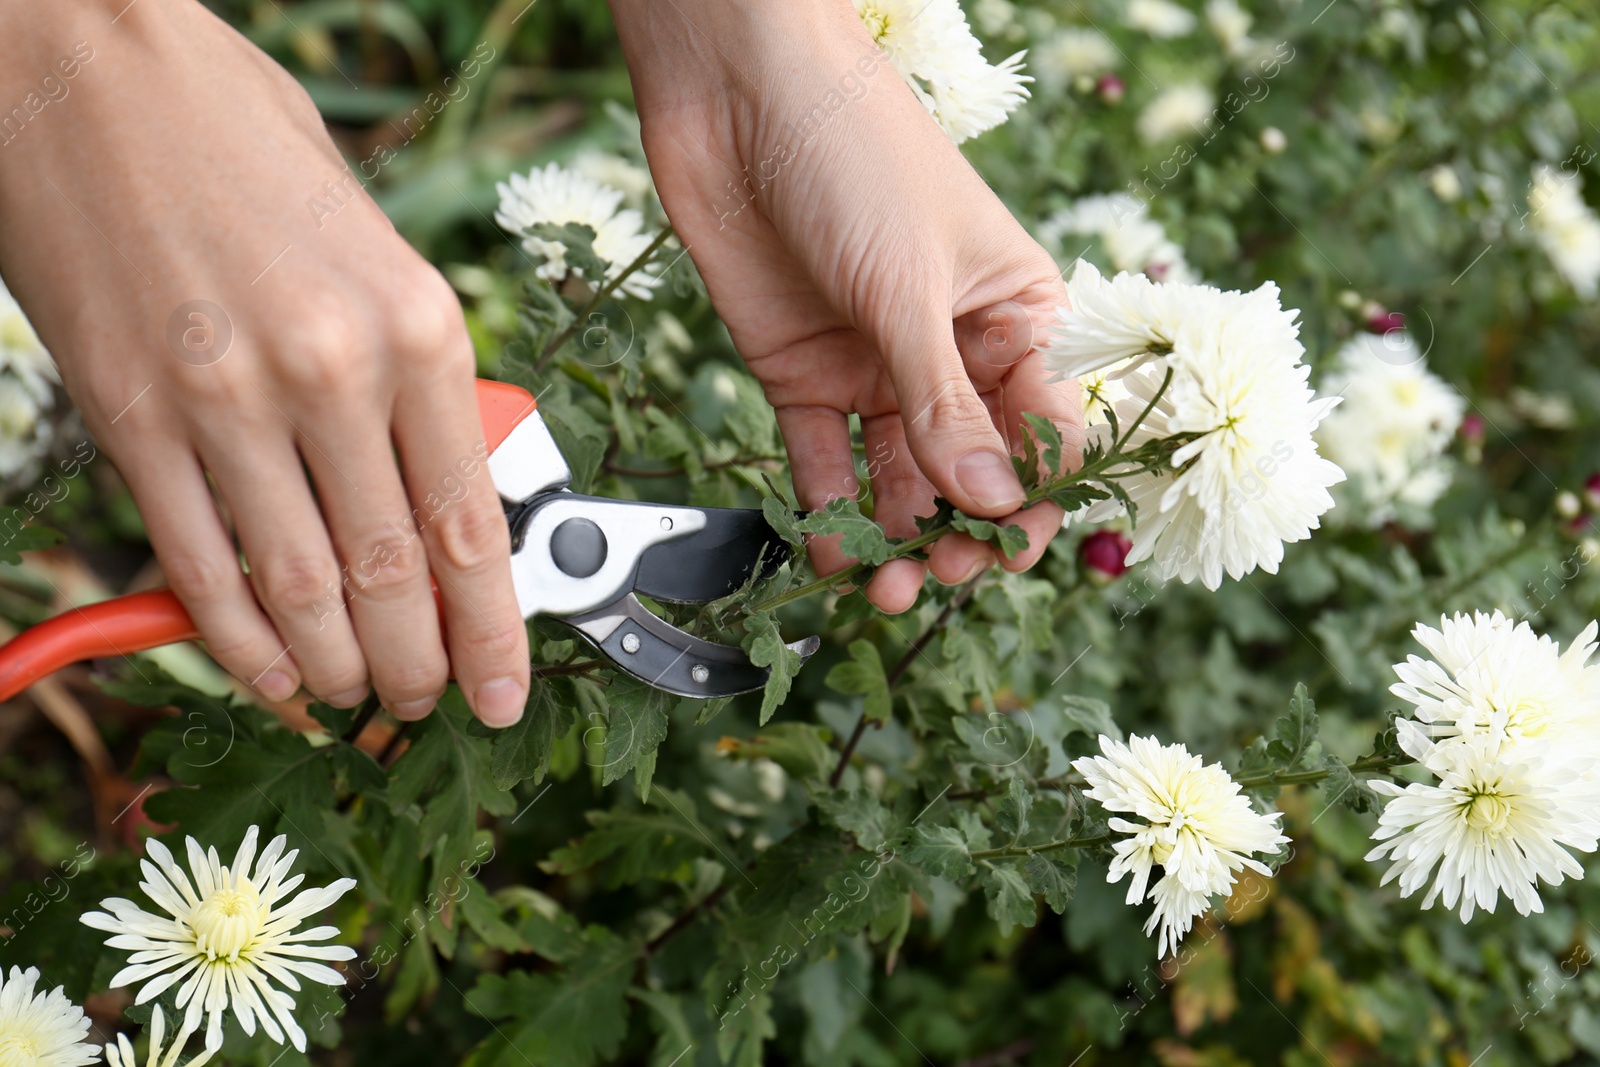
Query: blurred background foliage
point(616, 922)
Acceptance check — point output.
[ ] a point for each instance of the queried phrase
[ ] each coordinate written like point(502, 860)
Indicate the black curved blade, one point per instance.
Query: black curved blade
point(661, 655)
point(704, 566)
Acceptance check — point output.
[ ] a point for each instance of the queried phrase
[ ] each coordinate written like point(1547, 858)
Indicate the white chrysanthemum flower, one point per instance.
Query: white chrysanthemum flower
point(121, 1054)
point(1075, 52)
point(618, 173)
point(1500, 820)
point(931, 45)
point(1445, 182)
point(1566, 228)
point(1193, 823)
point(1230, 24)
point(1491, 676)
point(556, 195)
point(41, 1029)
point(1392, 430)
point(1159, 18)
point(227, 935)
point(27, 378)
point(1131, 238)
point(995, 17)
point(1250, 478)
point(1178, 112)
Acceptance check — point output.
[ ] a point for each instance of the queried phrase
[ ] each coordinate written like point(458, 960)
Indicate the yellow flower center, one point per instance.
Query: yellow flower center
point(1489, 813)
point(18, 1050)
point(877, 22)
point(227, 921)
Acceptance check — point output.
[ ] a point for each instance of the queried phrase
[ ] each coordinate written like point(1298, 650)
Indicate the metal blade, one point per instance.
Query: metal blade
point(711, 563)
point(661, 655)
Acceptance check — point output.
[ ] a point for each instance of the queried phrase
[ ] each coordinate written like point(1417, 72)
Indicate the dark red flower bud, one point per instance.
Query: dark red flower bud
point(1106, 552)
point(1110, 88)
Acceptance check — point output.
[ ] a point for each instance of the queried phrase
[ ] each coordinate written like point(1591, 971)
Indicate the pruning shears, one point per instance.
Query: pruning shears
point(581, 560)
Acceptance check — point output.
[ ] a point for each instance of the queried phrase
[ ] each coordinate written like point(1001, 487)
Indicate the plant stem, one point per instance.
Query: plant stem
point(369, 708)
point(599, 298)
point(898, 672)
point(686, 917)
point(1052, 846)
point(1360, 766)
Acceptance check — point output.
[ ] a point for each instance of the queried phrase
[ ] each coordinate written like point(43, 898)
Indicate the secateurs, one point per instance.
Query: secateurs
point(578, 559)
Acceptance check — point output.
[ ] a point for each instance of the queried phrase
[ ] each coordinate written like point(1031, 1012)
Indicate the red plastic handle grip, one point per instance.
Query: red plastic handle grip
point(141, 621)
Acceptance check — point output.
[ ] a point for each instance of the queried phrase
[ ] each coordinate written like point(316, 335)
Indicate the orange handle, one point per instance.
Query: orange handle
point(140, 621)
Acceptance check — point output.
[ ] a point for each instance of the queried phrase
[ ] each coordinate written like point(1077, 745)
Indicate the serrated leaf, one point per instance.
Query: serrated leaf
point(800, 748)
point(452, 771)
point(863, 675)
point(1053, 877)
point(578, 240)
point(781, 518)
point(859, 537)
point(1089, 716)
point(570, 1018)
point(522, 750)
point(1296, 732)
point(940, 851)
point(1011, 810)
point(18, 535)
point(1010, 901)
point(1009, 539)
point(636, 726)
point(764, 645)
point(1049, 441)
point(1342, 787)
point(635, 844)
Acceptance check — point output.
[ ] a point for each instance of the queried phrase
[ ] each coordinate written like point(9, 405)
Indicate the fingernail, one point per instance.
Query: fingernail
point(990, 480)
point(500, 702)
point(349, 698)
point(977, 568)
point(413, 709)
point(276, 685)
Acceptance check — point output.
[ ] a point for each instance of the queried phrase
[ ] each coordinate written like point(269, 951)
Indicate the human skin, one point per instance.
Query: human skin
point(872, 270)
point(179, 167)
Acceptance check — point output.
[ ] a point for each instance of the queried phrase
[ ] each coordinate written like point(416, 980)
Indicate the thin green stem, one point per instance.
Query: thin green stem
point(1052, 846)
point(601, 295)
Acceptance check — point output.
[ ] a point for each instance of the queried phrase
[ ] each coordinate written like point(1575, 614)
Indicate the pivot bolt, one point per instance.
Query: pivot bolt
point(630, 643)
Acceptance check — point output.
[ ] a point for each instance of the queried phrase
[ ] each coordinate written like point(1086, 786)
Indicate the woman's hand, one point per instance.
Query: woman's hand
point(224, 300)
point(859, 262)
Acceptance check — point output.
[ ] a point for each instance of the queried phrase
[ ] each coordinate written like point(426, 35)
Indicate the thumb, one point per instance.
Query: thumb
point(948, 427)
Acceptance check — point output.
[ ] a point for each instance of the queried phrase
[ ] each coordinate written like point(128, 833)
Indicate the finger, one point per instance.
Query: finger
point(899, 494)
point(956, 558)
point(1041, 523)
point(202, 569)
point(384, 561)
point(994, 337)
point(454, 503)
point(823, 467)
point(947, 427)
point(293, 570)
point(1029, 388)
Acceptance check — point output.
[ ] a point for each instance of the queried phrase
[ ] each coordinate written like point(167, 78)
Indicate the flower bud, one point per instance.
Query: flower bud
point(1567, 504)
point(1111, 88)
point(1591, 491)
point(1105, 553)
point(1273, 140)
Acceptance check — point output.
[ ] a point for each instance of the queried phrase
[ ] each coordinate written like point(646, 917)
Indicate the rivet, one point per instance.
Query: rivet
point(666, 522)
point(630, 643)
point(700, 672)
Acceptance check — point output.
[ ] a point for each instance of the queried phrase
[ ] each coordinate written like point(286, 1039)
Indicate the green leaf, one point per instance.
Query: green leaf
point(653, 842)
point(578, 237)
point(1011, 812)
point(1049, 441)
point(801, 748)
point(17, 535)
point(1053, 876)
point(781, 518)
point(636, 728)
point(453, 771)
point(1009, 898)
point(1009, 539)
point(1296, 732)
point(862, 674)
point(1089, 716)
point(859, 537)
point(571, 1018)
point(522, 750)
point(764, 645)
point(940, 851)
point(1342, 787)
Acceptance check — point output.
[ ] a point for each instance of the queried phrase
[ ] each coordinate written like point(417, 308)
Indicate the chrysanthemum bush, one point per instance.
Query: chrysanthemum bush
point(1285, 753)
